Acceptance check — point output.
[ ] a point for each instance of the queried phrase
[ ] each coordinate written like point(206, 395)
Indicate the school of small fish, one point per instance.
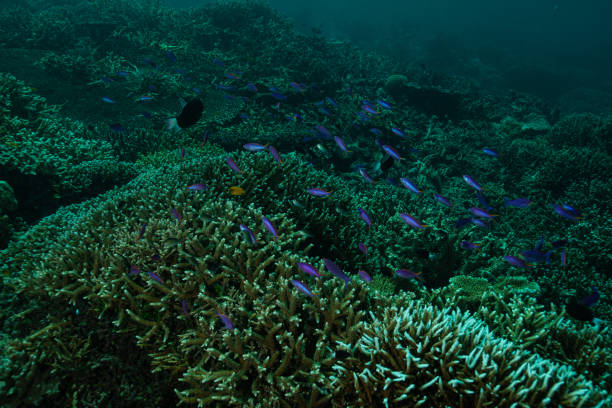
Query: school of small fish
point(480, 216)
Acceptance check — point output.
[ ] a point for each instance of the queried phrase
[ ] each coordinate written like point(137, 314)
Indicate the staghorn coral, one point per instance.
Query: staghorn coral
point(422, 355)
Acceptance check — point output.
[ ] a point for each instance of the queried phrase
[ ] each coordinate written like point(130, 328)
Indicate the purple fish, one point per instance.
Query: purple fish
point(562, 212)
point(517, 202)
point(391, 151)
point(479, 212)
point(490, 152)
point(155, 257)
point(232, 165)
point(472, 183)
point(462, 222)
point(365, 276)
point(171, 56)
point(479, 223)
point(341, 144)
point(248, 233)
point(384, 104)
point(107, 100)
point(322, 130)
point(363, 248)
point(302, 288)
point(533, 255)
point(309, 269)
point(482, 199)
point(176, 214)
point(197, 187)
point(409, 185)
point(592, 298)
point(336, 271)
point(133, 271)
point(469, 246)
point(278, 96)
point(251, 87)
point(515, 261)
point(564, 259)
point(413, 222)
point(275, 154)
point(142, 231)
point(332, 102)
point(568, 208)
point(408, 274)
point(369, 109)
point(226, 321)
point(185, 308)
point(442, 200)
point(365, 217)
point(255, 147)
point(155, 277)
point(366, 176)
point(270, 227)
point(376, 131)
point(398, 132)
point(317, 192)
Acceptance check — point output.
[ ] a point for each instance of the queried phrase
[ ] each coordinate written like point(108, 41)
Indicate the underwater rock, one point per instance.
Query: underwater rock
point(535, 124)
point(395, 84)
point(8, 202)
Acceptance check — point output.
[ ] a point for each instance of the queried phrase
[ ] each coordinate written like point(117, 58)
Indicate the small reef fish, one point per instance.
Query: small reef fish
point(490, 152)
point(317, 192)
point(302, 288)
point(413, 222)
point(515, 261)
point(479, 212)
point(189, 116)
point(398, 132)
point(564, 259)
point(275, 154)
point(376, 131)
point(471, 182)
point(363, 248)
point(384, 104)
point(341, 144)
point(255, 147)
point(182, 153)
point(226, 321)
point(517, 202)
point(107, 100)
point(309, 269)
point(564, 213)
point(322, 130)
point(408, 274)
point(248, 233)
point(479, 223)
point(442, 200)
point(171, 56)
point(197, 187)
point(134, 271)
point(366, 176)
point(336, 271)
point(409, 185)
point(469, 246)
point(365, 276)
point(270, 227)
point(482, 199)
point(232, 165)
point(236, 191)
point(582, 310)
point(185, 308)
point(251, 88)
point(142, 231)
point(176, 214)
point(155, 277)
point(391, 151)
point(536, 256)
point(365, 217)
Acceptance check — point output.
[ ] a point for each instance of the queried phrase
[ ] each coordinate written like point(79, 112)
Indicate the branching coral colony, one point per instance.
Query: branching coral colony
point(170, 284)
